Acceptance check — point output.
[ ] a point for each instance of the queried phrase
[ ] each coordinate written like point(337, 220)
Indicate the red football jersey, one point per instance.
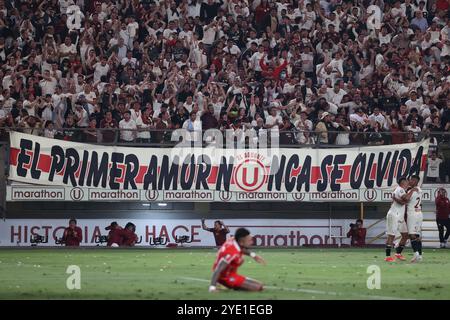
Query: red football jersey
point(231, 253)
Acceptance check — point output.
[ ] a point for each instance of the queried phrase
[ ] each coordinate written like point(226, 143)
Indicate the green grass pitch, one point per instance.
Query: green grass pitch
point(185, 273)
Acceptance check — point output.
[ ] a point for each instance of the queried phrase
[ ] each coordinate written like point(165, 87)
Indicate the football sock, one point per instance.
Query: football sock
point(415, 245)
point(419, 246)
point(399, 249)
point(388, 250)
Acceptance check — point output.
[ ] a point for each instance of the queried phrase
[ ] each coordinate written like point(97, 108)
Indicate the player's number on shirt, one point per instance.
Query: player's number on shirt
point(418, 204)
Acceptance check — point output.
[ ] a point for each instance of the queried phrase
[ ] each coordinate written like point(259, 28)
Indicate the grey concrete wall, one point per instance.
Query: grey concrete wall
point(194, 210)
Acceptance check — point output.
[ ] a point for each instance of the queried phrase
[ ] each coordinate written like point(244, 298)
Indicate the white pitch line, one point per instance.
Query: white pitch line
point(331, 293)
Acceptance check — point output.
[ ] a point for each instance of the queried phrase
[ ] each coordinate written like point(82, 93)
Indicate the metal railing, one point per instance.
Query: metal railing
point(172, 137)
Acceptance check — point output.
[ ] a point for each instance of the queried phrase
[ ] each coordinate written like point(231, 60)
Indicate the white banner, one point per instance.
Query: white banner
point(267, 232)
point(93, 172)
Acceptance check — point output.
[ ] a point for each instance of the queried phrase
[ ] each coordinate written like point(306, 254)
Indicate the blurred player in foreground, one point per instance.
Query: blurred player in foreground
point(395, 220)
point(229, 258)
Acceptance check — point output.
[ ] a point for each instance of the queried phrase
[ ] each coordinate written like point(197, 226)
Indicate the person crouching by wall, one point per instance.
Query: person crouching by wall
point(72, 234)
point(114, 235)
point(357, 233)
point(128, 235)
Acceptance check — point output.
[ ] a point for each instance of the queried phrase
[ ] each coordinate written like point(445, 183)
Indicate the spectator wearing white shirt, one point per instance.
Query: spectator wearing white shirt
point(136, 111)
point(144, 124)
point(194, 127)
point(127, 128)
point(377, 116)
point(82, 116)
point(359, 117)
point(255, 59)
point(129, 60)
point(273, 120)
point(67, 48)
point(209, 33)
point(303, 124)
point(101, 69)
point(231, 48)
point(48, 83)
point(433, 167)
point(413, 102)
point(336, 94)
point(194, 8)
point(414, 128)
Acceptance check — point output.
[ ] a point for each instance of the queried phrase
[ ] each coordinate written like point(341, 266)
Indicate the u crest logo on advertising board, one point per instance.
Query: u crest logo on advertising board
point(370, 194)
point(225, 195)
point(298, 196)
point(76, 194)
point(152, 195)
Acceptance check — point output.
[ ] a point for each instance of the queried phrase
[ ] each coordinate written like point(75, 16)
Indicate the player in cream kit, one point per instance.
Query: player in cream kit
point(415, 218)
point(395, 220)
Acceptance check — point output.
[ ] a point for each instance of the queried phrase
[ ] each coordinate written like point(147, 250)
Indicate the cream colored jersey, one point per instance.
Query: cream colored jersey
point(399, 192)
point(415, 204)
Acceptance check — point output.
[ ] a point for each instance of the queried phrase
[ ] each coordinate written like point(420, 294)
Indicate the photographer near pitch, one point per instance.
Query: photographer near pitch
point(357, 234)
point(220, 231)
point(443, 216)
point(72, 234)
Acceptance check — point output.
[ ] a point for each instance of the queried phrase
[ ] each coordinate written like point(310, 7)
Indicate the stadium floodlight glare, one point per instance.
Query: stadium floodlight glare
point(146, 204)
point(162, 204)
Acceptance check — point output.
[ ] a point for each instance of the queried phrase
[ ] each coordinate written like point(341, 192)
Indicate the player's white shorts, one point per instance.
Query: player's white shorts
point(414, 222)
point(395, 223)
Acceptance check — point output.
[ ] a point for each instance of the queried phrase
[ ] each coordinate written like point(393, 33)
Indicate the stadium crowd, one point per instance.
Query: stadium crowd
point(330, 72)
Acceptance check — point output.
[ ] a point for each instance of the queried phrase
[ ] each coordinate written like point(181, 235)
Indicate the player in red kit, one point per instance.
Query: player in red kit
point(229, 258)
point(72, 234)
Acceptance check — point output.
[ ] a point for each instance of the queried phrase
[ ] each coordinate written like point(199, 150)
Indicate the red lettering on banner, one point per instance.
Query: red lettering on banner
point(149, 234)
point(164, 233)
point(176, 228)
point(311, 240)
point(56, 230)
point(301, 237)
point(46, 229)
point(283, 238)
point(18, 234)
point(32, 230)
point(96, 233)
point(195, 233)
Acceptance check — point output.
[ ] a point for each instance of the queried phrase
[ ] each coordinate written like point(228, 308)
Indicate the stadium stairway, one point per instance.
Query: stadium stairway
point(430, 233)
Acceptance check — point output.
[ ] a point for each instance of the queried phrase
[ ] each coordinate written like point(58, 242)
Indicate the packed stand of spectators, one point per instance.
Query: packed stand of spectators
point(328, 72)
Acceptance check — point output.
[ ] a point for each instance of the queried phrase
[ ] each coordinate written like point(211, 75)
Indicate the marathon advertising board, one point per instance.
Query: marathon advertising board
point(21, 192)
point(60, 170)
point(267, 232)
